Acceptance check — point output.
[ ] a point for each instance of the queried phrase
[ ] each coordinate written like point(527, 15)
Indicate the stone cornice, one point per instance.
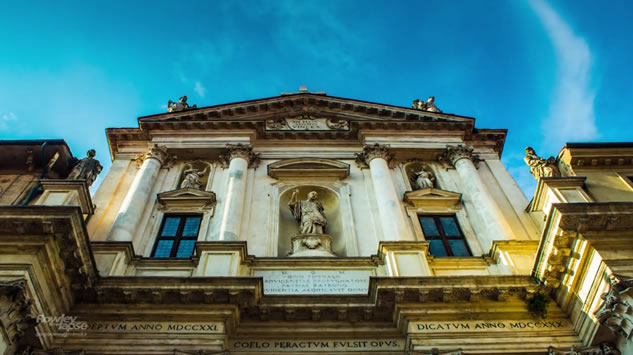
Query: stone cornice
point(371, 152)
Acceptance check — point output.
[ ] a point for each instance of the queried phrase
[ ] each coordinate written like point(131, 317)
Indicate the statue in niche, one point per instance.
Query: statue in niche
point(540, 167)
point(191, 177)
point(309, 213)
point(87, 168)
point(181, 105)
point(428, 105)
point(424, 179)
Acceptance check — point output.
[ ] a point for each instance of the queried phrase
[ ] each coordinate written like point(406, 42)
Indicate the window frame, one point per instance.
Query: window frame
point(443, 237)
point(178, 238)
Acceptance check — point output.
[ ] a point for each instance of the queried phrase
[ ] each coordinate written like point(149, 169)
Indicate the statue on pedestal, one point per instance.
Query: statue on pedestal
point(540, 167)
point(309, 213)
point(86, 169)
point(312, 240)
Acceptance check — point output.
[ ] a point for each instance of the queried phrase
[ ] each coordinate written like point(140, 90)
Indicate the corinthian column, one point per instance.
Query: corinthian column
point(237, 159)
point(493, 220)
point(377, 157)
point(137, 197)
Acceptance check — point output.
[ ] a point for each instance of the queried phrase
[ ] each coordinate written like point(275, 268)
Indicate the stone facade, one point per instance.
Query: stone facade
point(451, 261)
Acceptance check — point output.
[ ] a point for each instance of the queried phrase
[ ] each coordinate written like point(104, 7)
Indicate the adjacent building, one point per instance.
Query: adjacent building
point(307, 223)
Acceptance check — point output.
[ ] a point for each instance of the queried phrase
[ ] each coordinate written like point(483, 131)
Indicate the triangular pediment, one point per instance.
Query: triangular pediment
point(431, 197)
point(186, 200)
point(304, 106)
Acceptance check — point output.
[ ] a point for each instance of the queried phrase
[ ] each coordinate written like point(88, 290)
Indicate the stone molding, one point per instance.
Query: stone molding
point(371, 152)
point(244, 151)
point(453, 154)
point(186, 200)
point(616, 312)
point(15, 311)
point(600, 349)
point(313, 167)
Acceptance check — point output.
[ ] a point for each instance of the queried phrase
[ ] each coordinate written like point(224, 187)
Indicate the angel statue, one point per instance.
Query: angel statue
point(428, 105)
point(424, 179)
point(181, 105)
point(309, 213)
point(192, 177)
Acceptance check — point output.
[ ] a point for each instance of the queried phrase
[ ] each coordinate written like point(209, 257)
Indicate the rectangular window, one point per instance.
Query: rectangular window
point(177, 236)
point(445, 236)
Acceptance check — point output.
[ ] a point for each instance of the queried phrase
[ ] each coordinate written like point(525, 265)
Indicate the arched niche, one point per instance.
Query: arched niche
point(289, 226)
point(409, 170)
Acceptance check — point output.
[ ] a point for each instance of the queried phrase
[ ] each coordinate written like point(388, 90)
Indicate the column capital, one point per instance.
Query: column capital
point(371, 152)
point(158, 152)
point(244, 151)
point(453, 154)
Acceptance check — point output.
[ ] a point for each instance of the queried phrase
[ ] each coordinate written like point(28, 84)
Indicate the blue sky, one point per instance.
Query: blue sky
point(549, 71)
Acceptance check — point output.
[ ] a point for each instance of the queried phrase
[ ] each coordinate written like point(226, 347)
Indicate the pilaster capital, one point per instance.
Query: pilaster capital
point(244, 151)
point(371, 152)
point(453, 154)
point(158, 152)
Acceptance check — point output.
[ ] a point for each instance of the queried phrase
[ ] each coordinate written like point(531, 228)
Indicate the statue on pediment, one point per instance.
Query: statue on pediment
point(191, 177)
point(86, 169)
point(540, 167)
point(309, 213)
point(428, 105)
point(424, 179)
point(181, 105)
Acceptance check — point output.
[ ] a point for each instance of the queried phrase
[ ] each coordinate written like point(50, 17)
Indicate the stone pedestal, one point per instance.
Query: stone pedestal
point(311, 245)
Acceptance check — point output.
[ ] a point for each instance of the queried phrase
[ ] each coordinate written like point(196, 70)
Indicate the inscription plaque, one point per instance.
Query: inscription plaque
point(318, 345)
point(315, 282)
point(306, 124)
point(488, 326)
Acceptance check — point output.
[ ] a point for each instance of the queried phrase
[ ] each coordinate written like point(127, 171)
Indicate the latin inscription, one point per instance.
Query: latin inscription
point(154, 327)
point(318, 345)
point(486, 326)
point(317, 282)
point(307, 124)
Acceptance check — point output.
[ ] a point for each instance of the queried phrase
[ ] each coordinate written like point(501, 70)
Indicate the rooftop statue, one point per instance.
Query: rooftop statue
point(181, 105)
point(192, 177)
point(309, 213)
point(428, 105)
point(540, 167)
point(86, 169)
point(424, 179)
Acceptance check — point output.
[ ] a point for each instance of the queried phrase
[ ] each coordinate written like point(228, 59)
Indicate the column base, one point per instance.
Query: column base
point(307, 245)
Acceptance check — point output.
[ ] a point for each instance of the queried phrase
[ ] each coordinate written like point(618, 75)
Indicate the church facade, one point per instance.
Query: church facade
point(306, 223)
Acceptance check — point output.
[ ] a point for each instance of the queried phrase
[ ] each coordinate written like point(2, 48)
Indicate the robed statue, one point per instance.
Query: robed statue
point(540, 167)
point(86, 169)
point(428, 105)
point(309, 213)
point(181, 105)
point(424, 179)
point(191, 177)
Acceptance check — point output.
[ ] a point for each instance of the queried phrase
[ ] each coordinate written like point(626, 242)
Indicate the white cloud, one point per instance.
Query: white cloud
point(571, 114)
point(199, 88)
point(5, 118)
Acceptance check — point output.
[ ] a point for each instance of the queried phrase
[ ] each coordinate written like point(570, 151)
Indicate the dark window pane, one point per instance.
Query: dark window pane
point(163, 249)
point(458, 247)
point(185, 248)
point(171, 227)
point(437, 248)
point(449, 226)
point(428, 227)
point(191, 227)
